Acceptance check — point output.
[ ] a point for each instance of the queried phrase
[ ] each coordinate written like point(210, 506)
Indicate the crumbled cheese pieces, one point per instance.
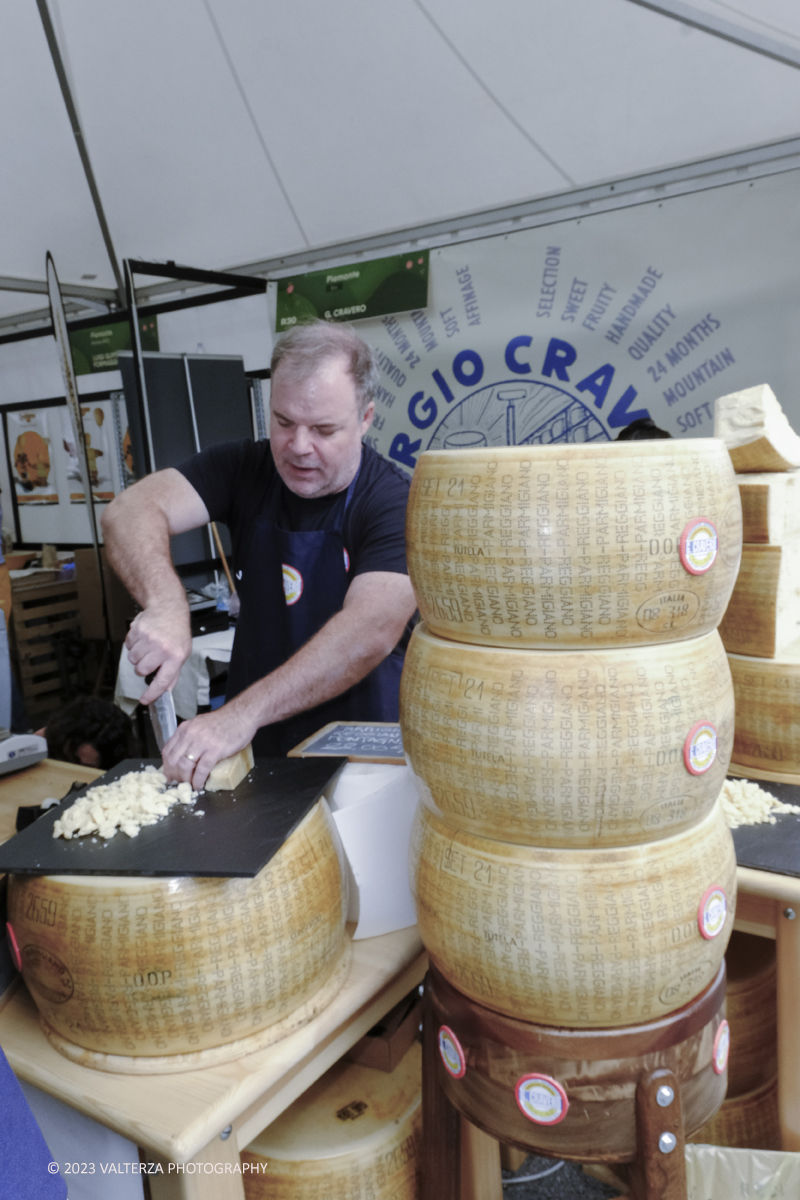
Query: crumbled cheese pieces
point(136, 799)
point(745, 803)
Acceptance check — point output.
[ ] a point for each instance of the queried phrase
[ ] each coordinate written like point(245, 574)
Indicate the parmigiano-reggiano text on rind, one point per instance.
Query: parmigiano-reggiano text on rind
point(141, 967)
point(574, 545)
point(565, 748)
point(575, 938)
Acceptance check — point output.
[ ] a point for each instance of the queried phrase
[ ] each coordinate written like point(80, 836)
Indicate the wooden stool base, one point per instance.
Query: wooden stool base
point(170, 1064)
point(599, 1070)
point(627, 1094)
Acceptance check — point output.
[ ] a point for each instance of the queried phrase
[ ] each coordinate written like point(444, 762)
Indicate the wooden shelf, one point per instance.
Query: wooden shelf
point(39, 614)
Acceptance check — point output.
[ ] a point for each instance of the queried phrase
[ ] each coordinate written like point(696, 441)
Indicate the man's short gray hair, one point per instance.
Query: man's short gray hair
point(308, 346)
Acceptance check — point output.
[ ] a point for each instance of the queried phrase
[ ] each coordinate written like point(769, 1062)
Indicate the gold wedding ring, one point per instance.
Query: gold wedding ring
point(191, 757)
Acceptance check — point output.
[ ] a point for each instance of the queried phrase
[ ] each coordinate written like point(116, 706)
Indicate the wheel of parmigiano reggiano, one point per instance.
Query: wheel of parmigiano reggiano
point(574, 545)
point(142, 967)
point(767, 691)
point(763, 616)
point(576, 938)
point(750, 1121)
point(356, 1132)
point(563, 748)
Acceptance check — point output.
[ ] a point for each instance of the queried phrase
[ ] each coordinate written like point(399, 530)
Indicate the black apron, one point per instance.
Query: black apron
point(290, 585)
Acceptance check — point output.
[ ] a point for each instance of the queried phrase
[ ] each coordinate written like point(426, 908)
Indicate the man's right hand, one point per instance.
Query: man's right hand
point(137, 526)
point(160, 640)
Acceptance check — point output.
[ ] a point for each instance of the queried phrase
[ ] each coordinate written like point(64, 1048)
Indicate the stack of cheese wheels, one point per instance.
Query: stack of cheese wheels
point(749, 1115)
point(567, 710)
point(355, 1132)
point(761, 628)
point(156, 975)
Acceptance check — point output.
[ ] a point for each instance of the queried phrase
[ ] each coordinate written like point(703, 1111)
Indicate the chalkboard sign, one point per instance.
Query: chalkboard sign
point(380, 741)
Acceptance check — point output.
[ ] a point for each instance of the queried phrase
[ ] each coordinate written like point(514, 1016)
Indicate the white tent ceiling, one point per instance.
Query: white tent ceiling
point(227, 132)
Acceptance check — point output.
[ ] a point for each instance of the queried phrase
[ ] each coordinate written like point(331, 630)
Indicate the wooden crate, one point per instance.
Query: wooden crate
point(38, 614)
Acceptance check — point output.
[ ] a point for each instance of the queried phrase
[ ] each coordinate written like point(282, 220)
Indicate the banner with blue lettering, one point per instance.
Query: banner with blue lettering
point(571, 331)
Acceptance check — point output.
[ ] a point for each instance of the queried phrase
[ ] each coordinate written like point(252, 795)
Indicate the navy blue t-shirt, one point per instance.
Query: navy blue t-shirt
point(233, 480)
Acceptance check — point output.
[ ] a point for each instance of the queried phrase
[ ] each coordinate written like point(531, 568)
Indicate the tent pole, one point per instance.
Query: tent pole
point(61, 334)
point(729, 31)
point(138, 370)
point(83, 151)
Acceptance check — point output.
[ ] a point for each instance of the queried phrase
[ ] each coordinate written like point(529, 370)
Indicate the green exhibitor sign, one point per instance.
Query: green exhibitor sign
point(96, 349)
point(366, 289)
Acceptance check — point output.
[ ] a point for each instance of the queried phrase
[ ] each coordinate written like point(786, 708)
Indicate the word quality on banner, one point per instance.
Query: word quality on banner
point(569, 332)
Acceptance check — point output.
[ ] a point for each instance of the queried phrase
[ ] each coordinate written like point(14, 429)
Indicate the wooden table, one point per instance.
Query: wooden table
point(178, 1119)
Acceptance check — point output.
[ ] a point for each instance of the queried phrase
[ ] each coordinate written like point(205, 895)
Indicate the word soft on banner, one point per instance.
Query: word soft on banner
point(96, 349)
point(367, 289)
point(566, 333)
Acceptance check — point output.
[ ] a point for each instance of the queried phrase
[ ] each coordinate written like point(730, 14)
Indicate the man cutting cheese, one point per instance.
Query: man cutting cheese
point(316, 521)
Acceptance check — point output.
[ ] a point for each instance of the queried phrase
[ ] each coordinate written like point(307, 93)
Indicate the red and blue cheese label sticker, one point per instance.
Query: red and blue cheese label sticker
point(700, 748)
point(452, 1055)
point(292, 584)
point(541, 1099)
point(13, 946)
point(346, 560)
point(712, 912)
point(698, 546)
point(722, 1045)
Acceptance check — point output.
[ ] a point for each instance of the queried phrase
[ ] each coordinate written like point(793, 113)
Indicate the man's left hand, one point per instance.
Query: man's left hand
point(198, 745)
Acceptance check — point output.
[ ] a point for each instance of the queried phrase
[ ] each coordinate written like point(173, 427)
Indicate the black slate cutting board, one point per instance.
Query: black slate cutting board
point(238, 835)
point(772, 847)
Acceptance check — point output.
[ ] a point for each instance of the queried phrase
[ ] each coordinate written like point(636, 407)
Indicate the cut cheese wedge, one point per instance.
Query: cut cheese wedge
point(229, 772)
point(770, 506)
point(767, 692)
point(756, 431)
point(763, 616)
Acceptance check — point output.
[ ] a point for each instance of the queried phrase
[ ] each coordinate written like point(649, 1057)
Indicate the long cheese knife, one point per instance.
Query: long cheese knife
point(163, 719)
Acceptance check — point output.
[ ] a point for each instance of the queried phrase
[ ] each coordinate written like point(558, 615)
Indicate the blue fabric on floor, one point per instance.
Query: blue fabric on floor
point(24, 1157)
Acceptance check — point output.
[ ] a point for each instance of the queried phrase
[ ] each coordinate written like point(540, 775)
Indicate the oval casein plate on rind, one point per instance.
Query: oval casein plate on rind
point(541, 1099)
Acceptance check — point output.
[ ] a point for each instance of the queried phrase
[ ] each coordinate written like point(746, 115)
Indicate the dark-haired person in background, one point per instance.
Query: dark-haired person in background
point(90, 731)
point(643, 430)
